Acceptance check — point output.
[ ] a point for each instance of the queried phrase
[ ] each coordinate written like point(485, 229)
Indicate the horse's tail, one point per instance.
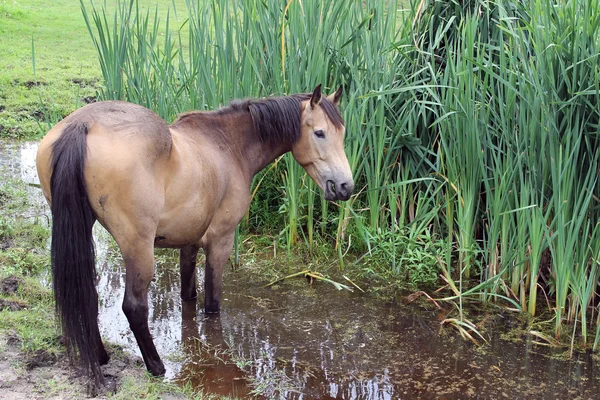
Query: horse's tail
point(72, 249)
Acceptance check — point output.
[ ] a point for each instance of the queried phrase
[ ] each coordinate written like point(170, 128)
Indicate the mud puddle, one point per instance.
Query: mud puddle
point(312, 341)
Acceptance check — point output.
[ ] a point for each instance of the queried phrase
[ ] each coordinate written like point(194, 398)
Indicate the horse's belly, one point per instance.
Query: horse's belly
point(171, 243)
point(183, 224)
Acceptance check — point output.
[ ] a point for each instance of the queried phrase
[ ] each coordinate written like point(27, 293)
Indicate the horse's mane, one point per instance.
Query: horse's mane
point(275, 119)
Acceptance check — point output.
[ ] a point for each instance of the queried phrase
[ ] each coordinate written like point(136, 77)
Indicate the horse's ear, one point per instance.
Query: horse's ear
point(315, 99)
point(335, 97)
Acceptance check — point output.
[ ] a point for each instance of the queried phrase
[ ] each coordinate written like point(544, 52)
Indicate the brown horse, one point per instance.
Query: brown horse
point(184, 186)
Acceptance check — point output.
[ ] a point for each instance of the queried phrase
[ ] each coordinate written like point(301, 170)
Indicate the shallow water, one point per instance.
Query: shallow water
point(300, 341)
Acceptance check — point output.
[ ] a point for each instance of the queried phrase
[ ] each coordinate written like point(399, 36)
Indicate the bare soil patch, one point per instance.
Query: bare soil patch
point(44, 375)
point(12, 305)
point(10, 286)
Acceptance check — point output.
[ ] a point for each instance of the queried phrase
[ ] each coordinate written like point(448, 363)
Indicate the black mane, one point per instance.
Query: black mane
point(276, 119)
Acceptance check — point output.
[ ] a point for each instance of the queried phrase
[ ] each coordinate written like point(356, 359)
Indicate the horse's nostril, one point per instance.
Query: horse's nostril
point(339, 191)
point(346, 190)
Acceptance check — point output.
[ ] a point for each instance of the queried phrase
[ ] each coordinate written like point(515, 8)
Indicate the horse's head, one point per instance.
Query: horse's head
point(320, 148)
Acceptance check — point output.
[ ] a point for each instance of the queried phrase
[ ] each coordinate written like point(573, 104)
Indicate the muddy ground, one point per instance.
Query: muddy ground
point(43, 375)
point(39, 375)
point(47, 373)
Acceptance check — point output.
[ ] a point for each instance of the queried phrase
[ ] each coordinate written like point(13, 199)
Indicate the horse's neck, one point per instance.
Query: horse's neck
point(237, 132)
point(256, 153)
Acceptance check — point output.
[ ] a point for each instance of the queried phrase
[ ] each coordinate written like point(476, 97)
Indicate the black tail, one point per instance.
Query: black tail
point(72, 249)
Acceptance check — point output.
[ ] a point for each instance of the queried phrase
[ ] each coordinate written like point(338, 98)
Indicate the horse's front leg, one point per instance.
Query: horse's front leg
point(187, 267)
point(217, 251)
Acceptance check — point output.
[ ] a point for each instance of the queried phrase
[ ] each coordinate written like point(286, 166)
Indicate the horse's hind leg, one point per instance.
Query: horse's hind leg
point(103, 356)
point(139, 264)
point(187, 266)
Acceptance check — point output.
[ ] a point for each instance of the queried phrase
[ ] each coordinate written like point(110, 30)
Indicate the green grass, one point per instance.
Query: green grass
point(67, 72)
point(23, 234)
point(34, 326)
point(66, 65)
point(148, 387)
point(23, 255)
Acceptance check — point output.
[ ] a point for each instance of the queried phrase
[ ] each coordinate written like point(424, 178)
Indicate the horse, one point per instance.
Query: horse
point(185, 185)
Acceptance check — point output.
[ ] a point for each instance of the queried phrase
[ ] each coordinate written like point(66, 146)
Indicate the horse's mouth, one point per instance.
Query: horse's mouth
point(330, 193)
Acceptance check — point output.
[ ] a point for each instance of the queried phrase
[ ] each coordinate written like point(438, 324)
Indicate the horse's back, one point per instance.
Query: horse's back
point(122, 122)
point(116, 130)
point(126, 146)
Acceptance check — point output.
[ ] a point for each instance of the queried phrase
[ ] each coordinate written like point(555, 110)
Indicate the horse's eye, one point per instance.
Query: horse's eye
point(320, 134)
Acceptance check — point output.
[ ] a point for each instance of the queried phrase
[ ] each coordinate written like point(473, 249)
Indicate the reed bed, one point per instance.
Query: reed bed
point(472, 130)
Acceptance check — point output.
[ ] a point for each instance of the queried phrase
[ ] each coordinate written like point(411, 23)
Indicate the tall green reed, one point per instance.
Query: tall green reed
point(513, 109)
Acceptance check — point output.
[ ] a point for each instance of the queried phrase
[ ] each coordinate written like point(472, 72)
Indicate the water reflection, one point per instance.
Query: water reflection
point(209, 363)
point(17, 160)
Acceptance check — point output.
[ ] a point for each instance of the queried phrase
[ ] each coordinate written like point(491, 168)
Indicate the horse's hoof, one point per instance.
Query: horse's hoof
point(158, 371)
point(211, 310)
point(103, 356)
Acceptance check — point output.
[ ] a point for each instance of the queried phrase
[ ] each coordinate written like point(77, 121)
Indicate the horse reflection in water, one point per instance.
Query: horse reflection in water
point(209, 366)
point(183, 186)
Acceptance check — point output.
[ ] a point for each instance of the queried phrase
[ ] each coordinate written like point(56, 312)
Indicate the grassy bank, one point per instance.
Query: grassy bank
point(66, 72)
point(66, 68)
point(27, 308)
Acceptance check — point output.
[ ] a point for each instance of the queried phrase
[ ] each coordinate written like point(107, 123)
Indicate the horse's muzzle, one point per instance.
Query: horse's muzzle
point(341, 191)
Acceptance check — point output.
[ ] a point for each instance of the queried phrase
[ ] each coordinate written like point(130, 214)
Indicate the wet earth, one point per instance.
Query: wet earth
point(301, 341)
